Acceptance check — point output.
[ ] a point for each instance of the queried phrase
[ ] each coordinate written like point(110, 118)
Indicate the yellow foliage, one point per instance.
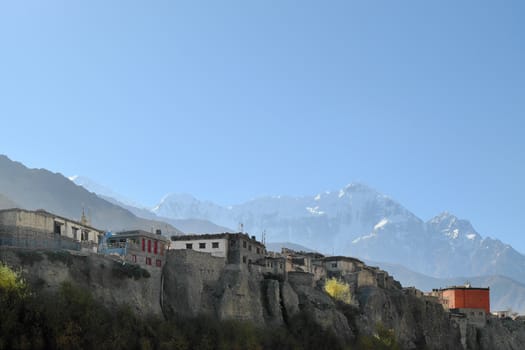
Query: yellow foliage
point(338, 290)
point(9, 279)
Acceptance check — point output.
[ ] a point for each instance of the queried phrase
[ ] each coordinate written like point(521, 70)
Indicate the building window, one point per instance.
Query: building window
point(281, 266)
point(57, 228)
point(250, 247)
point(258, 251)
point(244, 259)
point(202, 245)
point(143, 244)
point(148, 261)
point(156, 247)
point(134, 258)
point(249, 261)
point(232, 243)
point(75, 233)
point(215, 245)
point(189, 246)
point(149, 246)
point(158, 263)
point(334, 264)
point(84, 235)
point(244, 244)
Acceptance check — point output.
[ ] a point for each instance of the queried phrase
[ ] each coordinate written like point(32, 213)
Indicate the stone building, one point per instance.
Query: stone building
point(32, 229)
point(337, 266)
point(138, 247)
point(237, 248)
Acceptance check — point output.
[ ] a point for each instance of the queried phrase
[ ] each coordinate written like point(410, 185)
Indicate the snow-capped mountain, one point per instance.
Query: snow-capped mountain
point(101, 190)
point(359, 221)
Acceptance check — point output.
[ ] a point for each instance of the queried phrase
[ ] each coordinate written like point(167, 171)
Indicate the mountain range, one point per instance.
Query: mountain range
point(355, 220)
point(359, 221)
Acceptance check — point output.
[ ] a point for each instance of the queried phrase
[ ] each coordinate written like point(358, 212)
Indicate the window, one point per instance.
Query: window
point(244, 259)
point(148, 261)
point(334, 264)
point(232, 243)
point(202, 245)
point(158, 263)
point(84, 235)
point(258, 251)
point(143, 244)
point(156, 247)
point(215, 245)
point(75, 233)
point(249, 261)
point(134, 258)
point(189, 246)
point(250, 247)
point(244, 244)
point(149, 246)
point(281, 266)
point(57, 228)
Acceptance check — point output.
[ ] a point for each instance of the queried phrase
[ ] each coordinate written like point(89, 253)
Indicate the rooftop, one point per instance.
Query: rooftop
point(140, 233)
point(225, 235)
point(48, 214)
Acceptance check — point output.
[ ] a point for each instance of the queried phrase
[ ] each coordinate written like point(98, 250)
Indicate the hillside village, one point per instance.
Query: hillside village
point(467, 306)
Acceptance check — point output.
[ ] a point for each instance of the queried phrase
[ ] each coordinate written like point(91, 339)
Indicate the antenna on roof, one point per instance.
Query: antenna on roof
point(241, 227)
point(83, 218)
point(264, 237)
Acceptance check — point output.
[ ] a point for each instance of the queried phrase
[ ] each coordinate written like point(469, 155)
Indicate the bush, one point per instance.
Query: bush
point(338, 290)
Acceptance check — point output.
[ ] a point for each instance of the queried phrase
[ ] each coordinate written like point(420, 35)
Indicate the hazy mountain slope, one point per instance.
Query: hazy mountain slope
point(362, 222)
point(39, 188)
point(185, 225)
point(6, 203)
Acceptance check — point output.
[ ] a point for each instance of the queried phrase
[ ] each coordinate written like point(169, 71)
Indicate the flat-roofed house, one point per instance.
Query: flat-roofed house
point(32, 228)
point(137, 246)
point(236, 248)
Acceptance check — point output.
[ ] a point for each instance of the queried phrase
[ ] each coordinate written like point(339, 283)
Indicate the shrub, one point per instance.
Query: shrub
point(338, 290)
point(10, 280)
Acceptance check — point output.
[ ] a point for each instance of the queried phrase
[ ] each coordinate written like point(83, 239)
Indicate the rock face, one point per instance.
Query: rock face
point(418, 324)
point(497, 334)
point(110, 281)
point(196, 283)
point(193, 283)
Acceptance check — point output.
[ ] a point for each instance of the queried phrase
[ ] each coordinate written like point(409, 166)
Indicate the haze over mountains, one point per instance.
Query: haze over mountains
point(356, 221)
point(42, 189)
point(362, 222)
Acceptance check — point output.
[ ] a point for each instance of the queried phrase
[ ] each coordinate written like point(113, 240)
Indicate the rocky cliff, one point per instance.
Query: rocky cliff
point(194, 284)
point(110, 281)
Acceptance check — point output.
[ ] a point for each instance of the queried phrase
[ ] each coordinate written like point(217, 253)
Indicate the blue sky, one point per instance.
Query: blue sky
point(230, 100)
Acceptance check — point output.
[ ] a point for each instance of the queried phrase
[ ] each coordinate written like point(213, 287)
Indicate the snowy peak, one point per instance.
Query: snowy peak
point(453, 227)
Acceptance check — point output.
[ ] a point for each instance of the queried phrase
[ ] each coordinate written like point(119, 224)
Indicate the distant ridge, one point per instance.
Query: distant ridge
point(42, 189)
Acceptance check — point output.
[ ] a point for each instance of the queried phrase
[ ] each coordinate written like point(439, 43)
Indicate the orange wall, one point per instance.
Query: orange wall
point(468, 298)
